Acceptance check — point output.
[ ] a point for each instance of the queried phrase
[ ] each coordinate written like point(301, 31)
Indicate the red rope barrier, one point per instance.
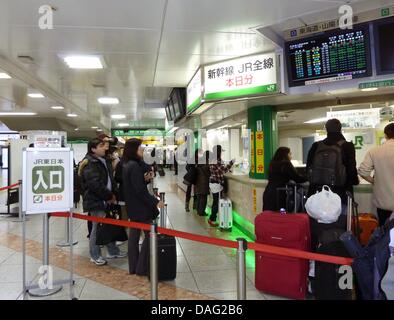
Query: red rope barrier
point(278, 251)
point(9, 187)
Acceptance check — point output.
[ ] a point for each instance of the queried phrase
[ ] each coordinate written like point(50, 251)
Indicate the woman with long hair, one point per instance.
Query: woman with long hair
point(141, 206)
point(281, 172)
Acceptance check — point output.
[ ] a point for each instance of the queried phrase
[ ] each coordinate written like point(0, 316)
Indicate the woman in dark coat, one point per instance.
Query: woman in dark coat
point(140, 204)
point(281, 172)
point(201, 188)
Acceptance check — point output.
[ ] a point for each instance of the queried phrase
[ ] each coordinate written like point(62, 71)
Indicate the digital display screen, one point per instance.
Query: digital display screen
point(167, 113)
point(332, 56)
point(171, 108)
point(384, 44)
point(176, 105)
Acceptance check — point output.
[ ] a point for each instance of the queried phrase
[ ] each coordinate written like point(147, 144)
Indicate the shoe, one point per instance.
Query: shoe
point(203, 215)
point(121, 254)
point(100, 261)
point(212, 223)
point(187, 209)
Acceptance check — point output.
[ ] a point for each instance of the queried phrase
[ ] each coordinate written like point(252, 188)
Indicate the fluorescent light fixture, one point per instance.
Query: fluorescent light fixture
point(173, 129)
point(118, 116)
point(318, 120)
point(94, 127)
point(123, 124)
point(4, 114)
point(83, 62)
point(369, 89)
point(72, 115)
point(108, 100)
point(76, 129)
point(57, 107)
point(99, 130)
point(36, 95)
point(4, 75)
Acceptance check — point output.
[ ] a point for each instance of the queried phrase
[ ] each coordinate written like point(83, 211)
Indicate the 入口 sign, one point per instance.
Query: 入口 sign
point(193, 97)
point(245, 76)
point(47, 180)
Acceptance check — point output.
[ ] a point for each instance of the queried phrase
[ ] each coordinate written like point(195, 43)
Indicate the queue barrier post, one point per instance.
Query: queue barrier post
point(67, 242)
point(241, 268)
point(20, 215)
point(163, 211)
point(154, 279)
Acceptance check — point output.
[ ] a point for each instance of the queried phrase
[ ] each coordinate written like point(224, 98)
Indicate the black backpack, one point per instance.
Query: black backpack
point(327, 165)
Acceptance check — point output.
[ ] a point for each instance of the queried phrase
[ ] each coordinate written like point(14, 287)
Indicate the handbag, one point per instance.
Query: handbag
point(191, 176)
point(107, 233)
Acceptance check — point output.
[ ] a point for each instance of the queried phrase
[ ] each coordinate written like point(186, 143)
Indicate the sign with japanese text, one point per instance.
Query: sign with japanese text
point(245, 76)
point(376, 84)
point(47, 141)
point(260, 152)
point(47, 180)
point(193, 97)
point(254, 200)
point(355, 119)
point(252, 162)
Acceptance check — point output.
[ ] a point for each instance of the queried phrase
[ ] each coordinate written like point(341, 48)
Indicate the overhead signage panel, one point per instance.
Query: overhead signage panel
point(357, 119)
point(240, 77)
point(193, 96)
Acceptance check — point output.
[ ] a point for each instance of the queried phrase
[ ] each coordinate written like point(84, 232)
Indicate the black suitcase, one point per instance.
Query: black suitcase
point(161, 172)
point(327, 276)
point(167, 258)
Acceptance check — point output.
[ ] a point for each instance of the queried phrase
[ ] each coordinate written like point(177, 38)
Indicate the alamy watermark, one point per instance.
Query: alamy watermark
point(45, 281)
point(346, 18)
point(45, 21)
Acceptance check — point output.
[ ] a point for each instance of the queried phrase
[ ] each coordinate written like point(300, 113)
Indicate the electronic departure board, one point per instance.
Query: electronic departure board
point(330, 56)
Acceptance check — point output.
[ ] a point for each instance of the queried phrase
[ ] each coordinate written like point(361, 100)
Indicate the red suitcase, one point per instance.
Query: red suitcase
point(281, 275)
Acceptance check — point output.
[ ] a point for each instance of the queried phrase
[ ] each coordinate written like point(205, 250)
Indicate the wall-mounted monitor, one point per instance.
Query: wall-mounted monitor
point(329, 56)
point(384, 45)
point(177, 103)
point(167, 113)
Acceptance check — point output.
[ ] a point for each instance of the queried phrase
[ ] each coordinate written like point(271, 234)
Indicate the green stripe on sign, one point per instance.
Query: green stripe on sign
point(270, 88)
point(194, 104)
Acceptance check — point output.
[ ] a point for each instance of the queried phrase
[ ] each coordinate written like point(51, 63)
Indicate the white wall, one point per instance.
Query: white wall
point(295, 145)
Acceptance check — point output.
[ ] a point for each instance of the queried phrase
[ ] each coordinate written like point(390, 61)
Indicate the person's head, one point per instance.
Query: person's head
point(389, 131)
point(133, 150)
point(282, 154)
point(333, 126)
point(97, 147)
point(218, 151)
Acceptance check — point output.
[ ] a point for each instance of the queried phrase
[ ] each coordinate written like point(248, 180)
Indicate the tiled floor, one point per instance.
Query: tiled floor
point(203, 271)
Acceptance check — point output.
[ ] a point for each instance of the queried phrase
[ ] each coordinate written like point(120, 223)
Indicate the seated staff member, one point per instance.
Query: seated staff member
point(381, 161)
point(281, 171)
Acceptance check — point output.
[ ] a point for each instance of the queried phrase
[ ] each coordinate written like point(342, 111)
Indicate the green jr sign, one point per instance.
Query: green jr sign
point(376, 84)
point(47, 180)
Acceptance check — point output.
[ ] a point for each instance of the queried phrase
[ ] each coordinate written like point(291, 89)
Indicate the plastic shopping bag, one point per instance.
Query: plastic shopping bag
point(324, 206)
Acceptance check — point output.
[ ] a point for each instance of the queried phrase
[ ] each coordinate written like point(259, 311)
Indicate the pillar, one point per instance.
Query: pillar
point(263, 139)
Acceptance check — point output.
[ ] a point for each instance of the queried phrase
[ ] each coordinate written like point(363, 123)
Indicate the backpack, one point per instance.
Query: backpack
point(191, 176)
point(327, 165)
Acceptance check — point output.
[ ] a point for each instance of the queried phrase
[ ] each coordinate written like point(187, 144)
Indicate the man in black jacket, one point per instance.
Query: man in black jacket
point(335, 137)
point(98, 192)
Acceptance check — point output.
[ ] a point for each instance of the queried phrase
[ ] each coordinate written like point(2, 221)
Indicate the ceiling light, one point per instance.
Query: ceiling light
point(76, 129)
point(118, 116)
point(18, 113)
point(318, 120)
point(369, 89)
point(123, 125)
point(57, 107)
point(108, 100)
point(99, 130)
point(72, 115)
point(36, 95)
point(94, 127)
point(4, 75)
point(83, 62)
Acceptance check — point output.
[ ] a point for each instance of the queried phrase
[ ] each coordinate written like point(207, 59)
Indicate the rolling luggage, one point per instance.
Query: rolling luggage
point(367, 224)
point(326, 281)
point(225, 214)
point(293, 195)
point(166, 248)
point(280, 275)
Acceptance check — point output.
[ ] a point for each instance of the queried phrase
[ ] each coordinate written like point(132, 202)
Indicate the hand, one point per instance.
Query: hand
point(161, 204)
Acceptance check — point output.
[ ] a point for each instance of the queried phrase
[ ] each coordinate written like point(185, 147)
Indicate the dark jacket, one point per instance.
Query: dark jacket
point(280, 174)
point(94, 179)
point(202, 181)
point(140, 204)
point(349, 161)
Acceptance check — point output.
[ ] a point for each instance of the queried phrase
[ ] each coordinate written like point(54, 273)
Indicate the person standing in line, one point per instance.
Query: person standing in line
point(380, 160)
point(216, 183)
point(190, 166)
point(340, 178)
point(140, 204)
point(99, 191)
point(281, 172)
point(201, 189)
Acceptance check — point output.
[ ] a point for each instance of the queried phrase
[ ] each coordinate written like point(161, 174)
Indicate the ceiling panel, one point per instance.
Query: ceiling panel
point(104, 13)
point(235, 15)
point(168, 78)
